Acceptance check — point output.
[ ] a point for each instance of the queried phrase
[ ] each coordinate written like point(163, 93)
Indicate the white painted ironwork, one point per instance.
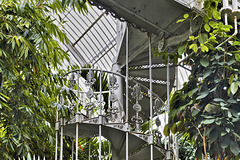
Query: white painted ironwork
point(151, 106)
point(126, 81)
point(100, 117)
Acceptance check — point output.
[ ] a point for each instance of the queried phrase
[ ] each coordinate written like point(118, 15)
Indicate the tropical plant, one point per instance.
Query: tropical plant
point(207, 107)
point(30, 70)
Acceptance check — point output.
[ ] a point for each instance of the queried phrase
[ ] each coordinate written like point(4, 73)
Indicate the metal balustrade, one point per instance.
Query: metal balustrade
point(103, 108)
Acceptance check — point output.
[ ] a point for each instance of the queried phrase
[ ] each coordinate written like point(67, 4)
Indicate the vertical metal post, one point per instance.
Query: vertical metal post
point(61, 143)
point(100, 118)
point(78, 98)
point(72, 147)
point(225, 3)
point(100, 97)
point(56, 145)
point(226, 18)
point(100, 141)
point(168, 93)
point(235, 4)
point(76, 154)
point(150, 83)
point(177, 87)
point(109, 150)
point(76, 141)
point(89, 149)
point(126, 120)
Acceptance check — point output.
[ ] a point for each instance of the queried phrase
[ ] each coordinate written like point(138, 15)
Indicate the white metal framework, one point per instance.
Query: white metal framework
point(138, 84)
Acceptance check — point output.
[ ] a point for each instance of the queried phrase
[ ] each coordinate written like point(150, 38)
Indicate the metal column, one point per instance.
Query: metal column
point(61, 143)
point(168, 93)
point(150, 83)
point(109, 150)
point(89, 149)
point(176, 138)
point(56, 145)
point(72, 148)
point(76, 141)
point(100, 118)
point(77, 116)
point(126, 120)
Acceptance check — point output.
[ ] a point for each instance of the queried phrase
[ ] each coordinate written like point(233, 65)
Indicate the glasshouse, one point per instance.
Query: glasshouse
point(119, 80)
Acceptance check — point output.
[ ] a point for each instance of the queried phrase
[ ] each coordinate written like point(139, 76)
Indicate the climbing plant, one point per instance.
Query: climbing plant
point(207, 107)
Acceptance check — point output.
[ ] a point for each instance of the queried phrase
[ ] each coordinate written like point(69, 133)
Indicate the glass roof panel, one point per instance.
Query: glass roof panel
point(92, 37)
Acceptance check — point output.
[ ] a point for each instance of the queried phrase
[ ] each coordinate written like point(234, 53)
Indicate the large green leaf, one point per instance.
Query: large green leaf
point(190, 93)
point(204, 62)
point(202, 95)
point(182, 49)
point(234, 87)
point(218, 100)
point(195, 112)
point(174, 128)
point(208, 73)
point(208, 121)
point(213, 135)
point(166, 130)
point(234, 148)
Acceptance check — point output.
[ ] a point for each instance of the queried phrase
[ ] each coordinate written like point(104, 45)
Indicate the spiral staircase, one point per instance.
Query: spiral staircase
point(138, 83)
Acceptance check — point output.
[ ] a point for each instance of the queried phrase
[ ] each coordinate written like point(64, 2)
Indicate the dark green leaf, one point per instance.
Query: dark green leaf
point(182, 49)
point(234, 148)
point(206, 74)
point(225, 142)
point(213, 135)
point(218, 100)
point(195, 112)
point(237, 57)
point(204, 62)
point(202, 95)
point(190, 93)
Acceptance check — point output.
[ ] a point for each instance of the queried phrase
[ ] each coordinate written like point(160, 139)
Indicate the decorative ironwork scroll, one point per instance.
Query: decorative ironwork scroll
point(72, 83)
point(137, 94)
point(113, 110)
point(158, 135)
point(90, 94)
point(157, 107)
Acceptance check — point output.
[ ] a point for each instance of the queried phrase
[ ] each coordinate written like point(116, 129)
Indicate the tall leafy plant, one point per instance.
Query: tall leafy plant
point(29, 57)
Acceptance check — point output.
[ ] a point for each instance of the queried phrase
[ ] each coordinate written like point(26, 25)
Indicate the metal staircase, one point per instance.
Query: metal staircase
point(138, 84)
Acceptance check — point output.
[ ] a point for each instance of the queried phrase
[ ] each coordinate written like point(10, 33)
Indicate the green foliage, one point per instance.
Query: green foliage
point(29, 57)
point(186, 147)
point(185, 17)
point(206, 108)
